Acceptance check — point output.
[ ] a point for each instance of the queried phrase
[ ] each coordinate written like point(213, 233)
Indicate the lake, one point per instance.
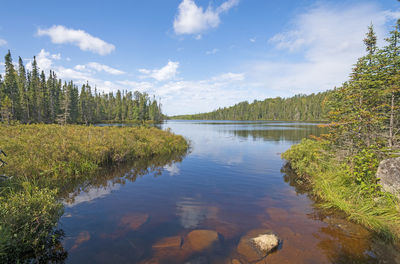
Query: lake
point(232, 181)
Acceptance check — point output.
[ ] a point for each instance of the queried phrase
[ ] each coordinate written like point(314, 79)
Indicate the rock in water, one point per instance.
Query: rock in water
point(134, 220)
point(265, 242)
point(199, 240)
point(389, 175)
point(257, 244)
point(168, 242)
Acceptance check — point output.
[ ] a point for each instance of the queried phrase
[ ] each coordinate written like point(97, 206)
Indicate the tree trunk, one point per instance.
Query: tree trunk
point(391, 121)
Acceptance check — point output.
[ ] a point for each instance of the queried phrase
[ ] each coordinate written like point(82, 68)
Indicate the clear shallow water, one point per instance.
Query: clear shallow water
point(232, 181)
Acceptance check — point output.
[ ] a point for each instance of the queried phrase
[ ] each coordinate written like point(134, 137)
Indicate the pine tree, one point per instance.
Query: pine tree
point(11, 86)
point(33, 92)
point(390, 58)
point(22, 85)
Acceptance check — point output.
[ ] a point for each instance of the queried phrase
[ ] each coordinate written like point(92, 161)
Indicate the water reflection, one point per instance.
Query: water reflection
point(278, 133)
point(111, 179)
point(173, 169)
point(192, 212)
point(233, 181)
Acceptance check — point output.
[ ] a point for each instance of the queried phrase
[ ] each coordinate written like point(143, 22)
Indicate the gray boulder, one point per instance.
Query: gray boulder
point(389, 175)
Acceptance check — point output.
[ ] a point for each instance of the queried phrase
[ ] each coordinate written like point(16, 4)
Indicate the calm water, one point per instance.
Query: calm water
point(232, 181)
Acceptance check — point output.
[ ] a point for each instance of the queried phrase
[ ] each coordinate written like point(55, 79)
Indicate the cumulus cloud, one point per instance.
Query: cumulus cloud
point(44, 60)
point(194, 96)
point(86, 42)
point(167, 72)
point(3, 42)
point(326, 41)
point(99, 68)
point(137, 86)
point(193, 19)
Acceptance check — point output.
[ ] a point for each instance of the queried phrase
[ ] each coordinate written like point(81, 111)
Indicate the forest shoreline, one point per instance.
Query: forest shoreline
point(43, 158)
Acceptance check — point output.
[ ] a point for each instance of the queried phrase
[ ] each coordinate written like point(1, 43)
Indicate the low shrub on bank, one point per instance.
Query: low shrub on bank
point(347, 185)
point(28, 216)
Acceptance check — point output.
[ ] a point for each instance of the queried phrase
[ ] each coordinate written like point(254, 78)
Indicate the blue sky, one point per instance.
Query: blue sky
point(196, 55)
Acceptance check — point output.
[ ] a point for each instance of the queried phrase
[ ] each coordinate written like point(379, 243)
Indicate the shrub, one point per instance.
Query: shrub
point(27, 221)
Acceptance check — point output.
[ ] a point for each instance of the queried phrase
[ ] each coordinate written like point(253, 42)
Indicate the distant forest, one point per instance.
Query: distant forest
point(31, 97)
point(297, 108)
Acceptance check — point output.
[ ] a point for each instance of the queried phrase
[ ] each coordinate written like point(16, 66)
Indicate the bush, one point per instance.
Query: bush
point(27, 221)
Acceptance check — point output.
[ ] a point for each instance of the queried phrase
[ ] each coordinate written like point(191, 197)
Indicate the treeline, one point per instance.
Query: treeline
point(297, 108)
point(33, 97)
point(365, 111)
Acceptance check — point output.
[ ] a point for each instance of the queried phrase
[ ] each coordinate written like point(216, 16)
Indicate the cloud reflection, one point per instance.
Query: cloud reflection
point(173, 169)
point(192, 212)
point(90, 195)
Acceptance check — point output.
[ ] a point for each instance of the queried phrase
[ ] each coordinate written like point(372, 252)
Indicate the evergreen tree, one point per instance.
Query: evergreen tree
point(11, 86)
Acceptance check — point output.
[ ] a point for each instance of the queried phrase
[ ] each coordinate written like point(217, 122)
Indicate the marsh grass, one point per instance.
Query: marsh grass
point(47, 153)
point(331, 181)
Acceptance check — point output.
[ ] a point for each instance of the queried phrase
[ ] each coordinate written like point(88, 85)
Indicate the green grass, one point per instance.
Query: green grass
point(333, 182)
point(42, 159)
point(56, 153)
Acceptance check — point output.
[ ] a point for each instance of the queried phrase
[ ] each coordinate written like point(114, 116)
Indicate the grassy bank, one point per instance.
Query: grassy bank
point(351, 189)
point(48, 153)
point(44, 158)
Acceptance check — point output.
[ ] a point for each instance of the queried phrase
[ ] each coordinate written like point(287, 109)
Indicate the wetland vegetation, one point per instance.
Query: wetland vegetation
point(46, 159)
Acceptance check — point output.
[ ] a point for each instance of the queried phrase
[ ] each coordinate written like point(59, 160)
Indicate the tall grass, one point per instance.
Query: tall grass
point(332, 181)
point(53, 153)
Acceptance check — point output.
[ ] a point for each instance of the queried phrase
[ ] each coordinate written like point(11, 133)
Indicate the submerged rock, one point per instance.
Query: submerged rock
point(199, 240)
point(389, 175)
point(198, 260)
point(347, 228)
point(82, 238)
point(134, 220)
point(169, 242)
point(257, 244)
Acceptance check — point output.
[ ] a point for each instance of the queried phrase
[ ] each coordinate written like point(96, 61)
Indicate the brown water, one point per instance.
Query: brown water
point(232, 181)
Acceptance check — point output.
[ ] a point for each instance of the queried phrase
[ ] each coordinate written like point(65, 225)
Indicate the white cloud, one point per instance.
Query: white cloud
point(192, 19)
point(137, 86)
point(213, 51)
point(44, 60)
point(3, 42)
point(324, 43)
point(99, 68)
point(229, 77)
point(194, 96)
point(86, 42)
point(167, 72)
point(252, 40)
